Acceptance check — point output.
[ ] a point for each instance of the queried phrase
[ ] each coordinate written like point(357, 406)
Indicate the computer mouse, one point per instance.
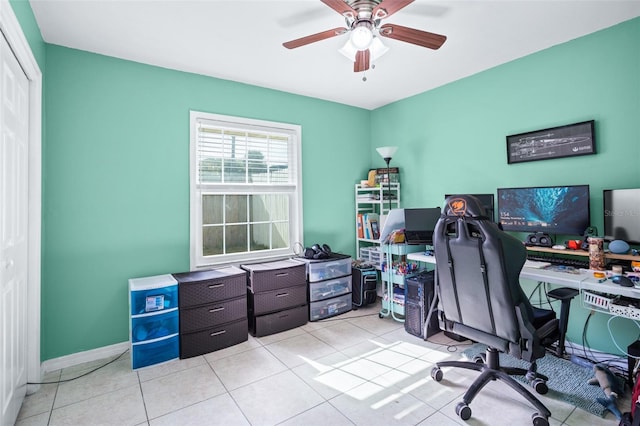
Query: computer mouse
point(622, 280)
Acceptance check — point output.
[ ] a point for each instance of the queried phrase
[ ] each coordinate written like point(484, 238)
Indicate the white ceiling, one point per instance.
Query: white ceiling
point(241, 40)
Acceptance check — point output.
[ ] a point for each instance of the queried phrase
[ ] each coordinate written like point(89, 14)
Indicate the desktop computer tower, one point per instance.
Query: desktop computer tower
point(418, 295)
point(365, 281)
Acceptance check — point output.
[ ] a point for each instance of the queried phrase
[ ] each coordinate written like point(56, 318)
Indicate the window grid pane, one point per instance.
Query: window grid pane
point(231, 155)
point(245, 175)
point(267, 227)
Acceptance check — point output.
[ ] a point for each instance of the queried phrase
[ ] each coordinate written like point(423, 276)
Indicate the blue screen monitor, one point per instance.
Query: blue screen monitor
point(549, 209)
point(622, 215)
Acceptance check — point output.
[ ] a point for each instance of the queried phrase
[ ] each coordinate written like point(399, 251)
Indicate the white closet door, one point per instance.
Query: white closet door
point(14, 132)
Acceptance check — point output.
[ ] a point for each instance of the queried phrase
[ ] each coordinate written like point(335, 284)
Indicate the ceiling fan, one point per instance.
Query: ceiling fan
point(363, 20)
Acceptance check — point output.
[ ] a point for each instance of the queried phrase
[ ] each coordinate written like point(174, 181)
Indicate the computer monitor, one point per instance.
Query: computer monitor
point(622, 215)
point(549, 209)
point(485, 199)
point(419, 225)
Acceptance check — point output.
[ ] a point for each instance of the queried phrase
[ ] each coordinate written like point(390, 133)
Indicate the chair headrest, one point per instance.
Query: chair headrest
point(463, 205)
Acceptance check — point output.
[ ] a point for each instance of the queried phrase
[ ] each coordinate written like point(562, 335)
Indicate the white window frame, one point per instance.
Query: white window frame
point(294, 190)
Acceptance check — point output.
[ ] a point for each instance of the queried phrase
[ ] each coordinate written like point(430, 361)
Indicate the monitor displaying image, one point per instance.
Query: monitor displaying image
point(622, 215)
point(551, 209)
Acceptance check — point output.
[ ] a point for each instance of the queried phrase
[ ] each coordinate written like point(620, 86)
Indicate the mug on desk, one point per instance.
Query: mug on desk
point(596, 253)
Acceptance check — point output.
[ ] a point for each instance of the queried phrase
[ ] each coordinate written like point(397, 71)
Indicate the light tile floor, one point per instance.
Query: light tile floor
point(354, 369)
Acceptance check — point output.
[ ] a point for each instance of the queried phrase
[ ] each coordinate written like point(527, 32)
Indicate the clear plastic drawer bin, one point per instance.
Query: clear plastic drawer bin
point(154, 326)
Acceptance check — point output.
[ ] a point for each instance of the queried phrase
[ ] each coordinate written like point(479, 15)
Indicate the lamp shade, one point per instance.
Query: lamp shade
point(349, 51)
point(387, 151)
point(361, 37)
point(377, 49)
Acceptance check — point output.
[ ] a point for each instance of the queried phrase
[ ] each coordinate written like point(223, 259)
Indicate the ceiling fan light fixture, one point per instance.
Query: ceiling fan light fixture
point(377, 48)
point(349, 50)
point(361, 37)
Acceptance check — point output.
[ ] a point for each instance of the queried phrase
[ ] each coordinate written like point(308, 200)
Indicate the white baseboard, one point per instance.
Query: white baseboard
point(82, 357)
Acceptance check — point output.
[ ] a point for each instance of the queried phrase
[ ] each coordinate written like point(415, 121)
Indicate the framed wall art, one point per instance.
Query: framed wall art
point(556, 142)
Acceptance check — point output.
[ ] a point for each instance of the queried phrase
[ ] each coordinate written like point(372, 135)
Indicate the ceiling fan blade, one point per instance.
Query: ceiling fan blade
point(342, 8)
point(411, 35)
point(387, 8)
point(314, 37)
point(362, 61)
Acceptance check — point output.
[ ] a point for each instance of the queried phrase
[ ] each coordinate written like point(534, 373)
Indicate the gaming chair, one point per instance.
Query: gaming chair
point(480, 298)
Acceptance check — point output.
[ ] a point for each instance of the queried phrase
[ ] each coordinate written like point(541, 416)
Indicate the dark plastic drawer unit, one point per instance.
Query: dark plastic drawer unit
point(276, 300)
point(197, 288)
point(276, 322)
point(213, 310)
point(277, 295)
point(202, 317)
point(275, 275)
point(212, 339)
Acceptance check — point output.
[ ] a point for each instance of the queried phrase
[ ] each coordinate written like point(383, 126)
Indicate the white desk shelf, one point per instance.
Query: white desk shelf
point(371, 200)
point(596, 295)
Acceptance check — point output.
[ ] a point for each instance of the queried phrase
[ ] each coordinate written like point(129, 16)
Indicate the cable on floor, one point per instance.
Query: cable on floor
point(624, 352)
point(82, 375)
point(619, 371)
point(454, 347)
point(347, 318)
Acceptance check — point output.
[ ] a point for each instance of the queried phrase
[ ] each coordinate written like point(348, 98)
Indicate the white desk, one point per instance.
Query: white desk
point(582, 281)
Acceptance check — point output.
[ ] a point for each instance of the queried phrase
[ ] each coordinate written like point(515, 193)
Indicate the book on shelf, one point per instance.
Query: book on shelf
point(365, 226)
point(375, 229)
point(383, 177)
point(370, 226)
point(360, 225)
point(382, 170)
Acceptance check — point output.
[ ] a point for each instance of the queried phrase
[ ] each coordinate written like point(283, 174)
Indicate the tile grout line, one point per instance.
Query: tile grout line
point(144, 403)
point(53, 402)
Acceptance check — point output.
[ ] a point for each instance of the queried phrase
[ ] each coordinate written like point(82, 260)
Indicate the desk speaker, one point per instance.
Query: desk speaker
point(539, 239)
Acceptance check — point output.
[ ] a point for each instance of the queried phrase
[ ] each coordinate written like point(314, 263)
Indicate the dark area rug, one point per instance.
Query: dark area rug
point(567, 381)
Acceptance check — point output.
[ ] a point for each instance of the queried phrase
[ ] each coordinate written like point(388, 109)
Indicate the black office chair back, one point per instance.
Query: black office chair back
point(478, 268)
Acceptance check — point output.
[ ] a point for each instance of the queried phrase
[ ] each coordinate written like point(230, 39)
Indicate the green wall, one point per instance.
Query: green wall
point(116, 148)
point(22, 10)
point(452, 139)
point(116, 181)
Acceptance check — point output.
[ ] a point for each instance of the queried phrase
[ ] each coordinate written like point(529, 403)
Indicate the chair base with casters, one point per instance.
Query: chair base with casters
point(488, 365)
point(565, 295)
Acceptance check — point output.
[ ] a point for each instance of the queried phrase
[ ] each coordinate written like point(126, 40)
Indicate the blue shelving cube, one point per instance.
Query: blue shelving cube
point(154, 320)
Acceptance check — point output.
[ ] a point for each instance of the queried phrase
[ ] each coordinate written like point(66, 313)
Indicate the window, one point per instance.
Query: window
point(246, 199)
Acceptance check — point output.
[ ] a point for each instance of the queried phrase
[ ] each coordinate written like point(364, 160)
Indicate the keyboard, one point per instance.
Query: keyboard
point(535, 264)
point(576, 263)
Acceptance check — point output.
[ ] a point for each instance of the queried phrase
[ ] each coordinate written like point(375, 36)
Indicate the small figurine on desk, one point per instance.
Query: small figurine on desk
point(610, 385)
